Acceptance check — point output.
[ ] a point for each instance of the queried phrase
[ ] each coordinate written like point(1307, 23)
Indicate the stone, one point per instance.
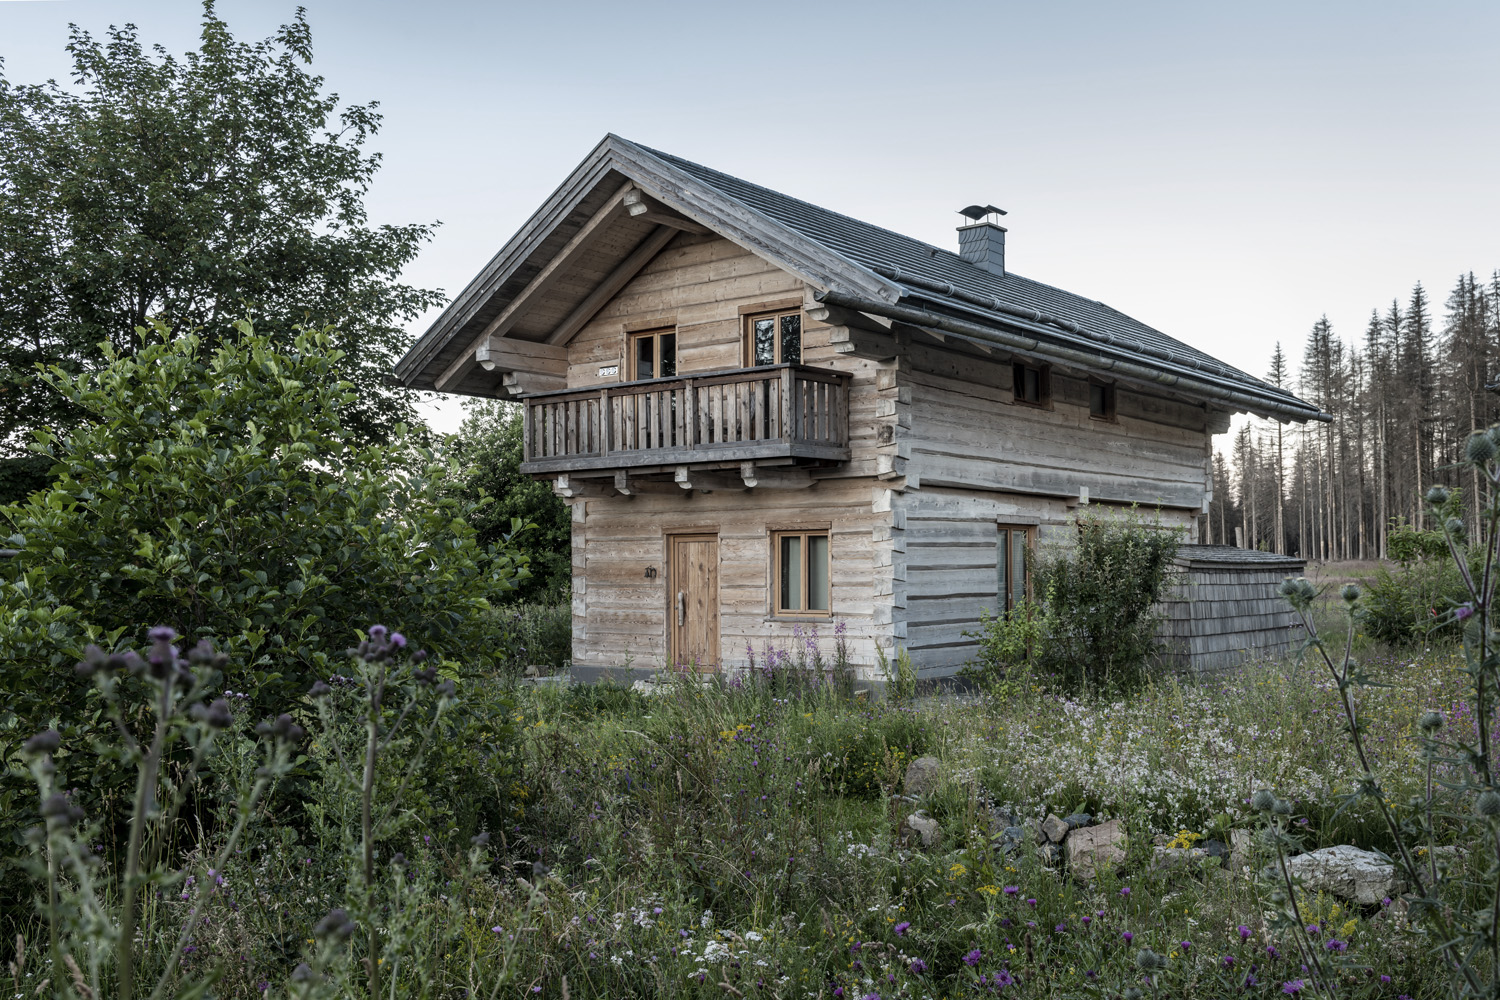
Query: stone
point(1215, 848)
point(1011, 839)
point(1054, 828)
point(1090, 848)
point(1076, 820)
point(1349, 873)
point(921, 776)
point(925, 827)
point(1050, 855)
point(1239, 849)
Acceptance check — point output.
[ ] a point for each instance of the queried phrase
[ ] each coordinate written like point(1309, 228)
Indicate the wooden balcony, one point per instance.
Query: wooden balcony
point(778, 412)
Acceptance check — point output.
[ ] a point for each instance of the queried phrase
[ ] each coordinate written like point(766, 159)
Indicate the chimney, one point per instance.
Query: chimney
point(982, 241)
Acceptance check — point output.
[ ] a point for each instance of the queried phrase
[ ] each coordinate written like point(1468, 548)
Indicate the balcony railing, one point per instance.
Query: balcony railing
point(775, 412)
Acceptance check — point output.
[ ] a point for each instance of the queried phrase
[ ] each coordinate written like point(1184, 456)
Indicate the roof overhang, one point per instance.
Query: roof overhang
point(504, 334)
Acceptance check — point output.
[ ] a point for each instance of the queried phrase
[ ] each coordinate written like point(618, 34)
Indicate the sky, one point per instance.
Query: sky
point(1224, 172)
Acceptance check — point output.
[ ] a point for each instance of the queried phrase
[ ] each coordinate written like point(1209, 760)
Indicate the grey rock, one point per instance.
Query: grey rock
point(1050, 855)
point(1239, 849)
point(921, 776)
point(1349, 873)
point(925, 827)
point(1090, 848)
point(1215, 848)
point(1076, 820)
point(1054, 828)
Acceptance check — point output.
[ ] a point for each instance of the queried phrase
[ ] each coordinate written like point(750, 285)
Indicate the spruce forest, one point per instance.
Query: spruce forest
point(1404, 395)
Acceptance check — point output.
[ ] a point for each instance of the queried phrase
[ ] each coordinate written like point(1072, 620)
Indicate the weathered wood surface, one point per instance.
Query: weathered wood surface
point(621, 614)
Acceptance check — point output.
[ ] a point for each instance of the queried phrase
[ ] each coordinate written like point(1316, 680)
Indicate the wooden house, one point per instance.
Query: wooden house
point(771, 420)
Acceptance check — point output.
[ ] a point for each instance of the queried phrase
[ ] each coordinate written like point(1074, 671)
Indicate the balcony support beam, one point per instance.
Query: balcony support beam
point(760, 477)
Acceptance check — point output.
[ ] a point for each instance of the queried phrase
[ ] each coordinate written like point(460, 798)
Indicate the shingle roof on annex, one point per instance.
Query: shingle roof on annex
point(912, 263)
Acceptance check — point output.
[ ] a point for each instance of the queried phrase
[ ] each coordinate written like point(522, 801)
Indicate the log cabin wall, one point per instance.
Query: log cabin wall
point(703, 287)
point(980, 460)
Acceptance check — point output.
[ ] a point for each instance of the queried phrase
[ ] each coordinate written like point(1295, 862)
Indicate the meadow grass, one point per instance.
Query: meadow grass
point(744, 838)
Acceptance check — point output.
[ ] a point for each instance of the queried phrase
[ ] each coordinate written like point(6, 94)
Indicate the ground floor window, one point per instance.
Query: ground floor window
point(1012, 548)
point(801, 572)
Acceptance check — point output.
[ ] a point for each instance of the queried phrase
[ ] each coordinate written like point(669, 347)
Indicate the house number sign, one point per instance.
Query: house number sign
point(608, 370)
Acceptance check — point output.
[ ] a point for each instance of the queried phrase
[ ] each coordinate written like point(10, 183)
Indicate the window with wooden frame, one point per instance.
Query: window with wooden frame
point(1101, 401)
point(653, 354)
point(801, 571)
point(1032, 385)
point(1012, 565)
point(773, 338)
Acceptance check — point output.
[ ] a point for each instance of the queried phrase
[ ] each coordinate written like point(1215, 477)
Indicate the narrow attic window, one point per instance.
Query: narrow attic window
point(1101, 401)
point(653, 354)
point(1032, 385)
point(773, 339)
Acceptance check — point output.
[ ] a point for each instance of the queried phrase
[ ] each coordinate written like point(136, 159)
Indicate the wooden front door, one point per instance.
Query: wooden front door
point(693, 587)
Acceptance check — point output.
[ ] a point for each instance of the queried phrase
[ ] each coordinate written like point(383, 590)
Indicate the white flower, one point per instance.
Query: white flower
point(753, 936)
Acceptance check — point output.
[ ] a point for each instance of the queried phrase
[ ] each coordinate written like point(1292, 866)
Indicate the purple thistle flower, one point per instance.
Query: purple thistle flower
point(1129, 937)
point(918, 966)
point(1244, 933)
point(972, 958)
point(1003, 978)
point(1333, 944)
point(902, 928)
point(1011, 890)
point(1292, 986)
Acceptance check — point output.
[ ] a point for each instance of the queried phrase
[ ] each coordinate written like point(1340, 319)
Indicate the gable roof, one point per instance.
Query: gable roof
point(850, 263)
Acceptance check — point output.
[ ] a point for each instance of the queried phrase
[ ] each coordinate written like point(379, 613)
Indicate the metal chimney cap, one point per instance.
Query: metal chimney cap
point(977, 212)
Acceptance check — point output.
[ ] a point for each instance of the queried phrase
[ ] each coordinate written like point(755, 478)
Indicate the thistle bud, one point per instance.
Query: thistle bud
point(1479, 449)
point(1262, 801)
point(398, 640)
point(219, 716)
point(1350, 593)
point(1430, 722)
point(377, 632)
point(1437, 496)
point(46, 741)
point(1457, 530)
point(1283, 807)
point(336, 925)
point(1487, 805)
point(1146, 960)
point(319, 690)
point(93, 661)
point(446, 689)
point(202, 653)
point(480, 839)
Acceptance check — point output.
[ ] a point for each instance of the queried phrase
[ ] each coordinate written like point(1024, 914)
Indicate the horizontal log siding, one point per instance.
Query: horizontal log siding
point(620, 615)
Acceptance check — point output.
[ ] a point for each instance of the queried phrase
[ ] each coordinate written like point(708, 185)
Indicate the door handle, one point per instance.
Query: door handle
point(681, 609)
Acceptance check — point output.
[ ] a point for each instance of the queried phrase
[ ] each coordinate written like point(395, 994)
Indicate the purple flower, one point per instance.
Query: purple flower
point(1227, 961)
point(1031, 903)
point(918, 966)
point(1292, 986)
point(1059, 928)
point(972, 958)
point(1314, 929)
point(1087, 920)
point(1011, 890)
point(838, 991)
point(902, 927)
point(1003, 978)
point(1129, 937)
point(1463, 611)
point(1125, 891)
point(1333, 944)
point(1244, 933)
point(872, 996)
point(1185, 945)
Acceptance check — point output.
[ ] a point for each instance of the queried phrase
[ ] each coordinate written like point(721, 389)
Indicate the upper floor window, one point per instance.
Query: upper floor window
point(1032, 385)
point(1101, 401)
point(774, 338)
point(653, 354)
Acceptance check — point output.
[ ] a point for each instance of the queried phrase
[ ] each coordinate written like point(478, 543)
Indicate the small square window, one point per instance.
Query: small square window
point(802, 571)
point(1101, 401)
point(773, 339)
point(653, 354)
point(1032, 385)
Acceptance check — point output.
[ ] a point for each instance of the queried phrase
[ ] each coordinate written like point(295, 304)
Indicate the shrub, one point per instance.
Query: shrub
point(1099, 596)
point(535, 634)
point(224, 499)
point(1411, 604)
point(1008, 645)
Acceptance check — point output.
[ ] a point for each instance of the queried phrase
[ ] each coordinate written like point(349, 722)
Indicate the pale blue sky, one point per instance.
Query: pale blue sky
point(1226, 173)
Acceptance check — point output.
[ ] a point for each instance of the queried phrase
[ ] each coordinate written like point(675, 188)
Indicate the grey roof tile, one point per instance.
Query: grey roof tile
point(878, 248)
